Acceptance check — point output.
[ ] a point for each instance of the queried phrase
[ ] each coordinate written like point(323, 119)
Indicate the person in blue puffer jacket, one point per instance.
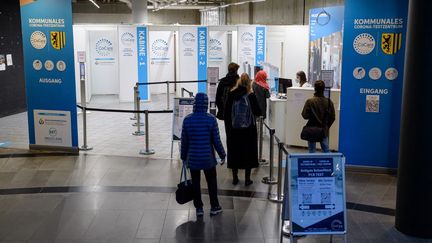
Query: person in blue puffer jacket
point(199, 139)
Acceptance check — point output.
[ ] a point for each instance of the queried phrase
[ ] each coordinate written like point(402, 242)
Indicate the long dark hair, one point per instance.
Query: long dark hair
point(302, 76)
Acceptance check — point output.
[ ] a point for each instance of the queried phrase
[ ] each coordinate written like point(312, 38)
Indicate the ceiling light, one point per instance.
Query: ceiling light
point(92, 1)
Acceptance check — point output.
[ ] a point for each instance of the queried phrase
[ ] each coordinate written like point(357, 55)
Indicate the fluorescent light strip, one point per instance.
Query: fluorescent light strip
point(232, 4)
point(92, 1)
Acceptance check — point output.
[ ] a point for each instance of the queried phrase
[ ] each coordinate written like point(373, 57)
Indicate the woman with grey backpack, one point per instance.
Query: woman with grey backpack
point(240, 124)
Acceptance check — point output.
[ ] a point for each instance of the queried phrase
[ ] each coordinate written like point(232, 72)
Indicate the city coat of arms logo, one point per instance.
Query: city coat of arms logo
point(58, 39)
point(391, 43)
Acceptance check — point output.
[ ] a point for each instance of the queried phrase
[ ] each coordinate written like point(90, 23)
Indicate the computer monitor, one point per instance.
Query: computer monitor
point(284, 83)
point(257, 69)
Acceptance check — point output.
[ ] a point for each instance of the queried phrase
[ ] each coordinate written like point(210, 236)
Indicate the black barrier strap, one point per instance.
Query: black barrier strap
point(125, 111)
point(173, 82)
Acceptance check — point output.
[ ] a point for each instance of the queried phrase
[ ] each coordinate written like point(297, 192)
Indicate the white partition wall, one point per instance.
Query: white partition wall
point(128, 68)
point(161, 57)
point(251, 46)
point(218, 51)
point(104, 61)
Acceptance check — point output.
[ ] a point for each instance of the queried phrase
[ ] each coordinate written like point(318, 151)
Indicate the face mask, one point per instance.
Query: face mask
point(297, 80)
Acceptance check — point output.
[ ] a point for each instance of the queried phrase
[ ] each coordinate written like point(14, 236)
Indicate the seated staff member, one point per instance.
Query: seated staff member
point(301, 80)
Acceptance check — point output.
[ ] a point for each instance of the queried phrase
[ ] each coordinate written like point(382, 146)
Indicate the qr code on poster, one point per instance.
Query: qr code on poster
point(325, 197)
point(307, 198)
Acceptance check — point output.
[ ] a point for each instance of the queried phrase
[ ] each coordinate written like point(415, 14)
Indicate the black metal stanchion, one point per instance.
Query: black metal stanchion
point(270, 179)
point(138, 132)
point(278, 197)
point(135, 88)
point(147, 150)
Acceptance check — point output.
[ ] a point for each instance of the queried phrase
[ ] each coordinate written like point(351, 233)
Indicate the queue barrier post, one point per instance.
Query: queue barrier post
point(85, 147)
point(168, 95)
point(138, 122)
point(147, 150)
point(270, 179)
point(138, 132)
point(260, 139)
point(278, 197)
point(135, 90)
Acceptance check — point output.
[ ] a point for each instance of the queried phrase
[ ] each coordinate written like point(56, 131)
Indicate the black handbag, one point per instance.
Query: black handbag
point(184, 192)
point(312, 134)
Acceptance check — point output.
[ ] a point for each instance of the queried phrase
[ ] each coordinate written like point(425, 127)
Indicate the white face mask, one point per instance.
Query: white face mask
point(297, 80)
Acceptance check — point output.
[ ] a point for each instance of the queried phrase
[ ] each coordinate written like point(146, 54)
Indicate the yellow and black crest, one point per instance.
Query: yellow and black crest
point(391, 43)
point(58, 39)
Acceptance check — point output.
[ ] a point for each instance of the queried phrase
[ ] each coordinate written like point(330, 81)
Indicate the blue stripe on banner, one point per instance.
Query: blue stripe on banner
point(142, 61)
point(260, 45)
point(202, 58)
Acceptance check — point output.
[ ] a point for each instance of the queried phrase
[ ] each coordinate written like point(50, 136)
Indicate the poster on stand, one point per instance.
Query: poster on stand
point(218, 51)
point(133, 61)
point(314, 194)
point(161, 58)
point(251, 46)
point(325, 43)
point(182, 108)
point(373, 65)
point(104, 62)
point(193, 57)
point(212, 82)
point(49, 73)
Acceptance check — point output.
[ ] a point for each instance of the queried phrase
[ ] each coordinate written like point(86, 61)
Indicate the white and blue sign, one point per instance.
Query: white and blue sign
point(316, 202)
point(374, 52)
point(251, 47)
point(142, 56)
point(202, 58)
point(49, 72)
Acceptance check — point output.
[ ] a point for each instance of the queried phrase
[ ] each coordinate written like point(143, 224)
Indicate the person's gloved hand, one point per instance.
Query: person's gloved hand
point(222, 162)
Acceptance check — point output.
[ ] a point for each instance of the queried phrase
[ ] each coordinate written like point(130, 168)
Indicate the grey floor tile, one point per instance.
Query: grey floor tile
point(151, 224)
point(76, 226)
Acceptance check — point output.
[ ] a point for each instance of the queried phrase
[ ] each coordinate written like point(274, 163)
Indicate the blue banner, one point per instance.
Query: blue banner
point(202, 58)
point(49, 72)
point(260, 45)
point(373, 65)
point(142, 61)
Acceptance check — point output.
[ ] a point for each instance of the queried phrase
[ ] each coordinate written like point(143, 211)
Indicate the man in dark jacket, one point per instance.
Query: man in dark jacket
point(200, 137)
point(320, 112)
point(224, 86)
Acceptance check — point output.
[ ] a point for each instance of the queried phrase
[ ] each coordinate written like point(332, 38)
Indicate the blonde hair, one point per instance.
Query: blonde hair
point(244, 81)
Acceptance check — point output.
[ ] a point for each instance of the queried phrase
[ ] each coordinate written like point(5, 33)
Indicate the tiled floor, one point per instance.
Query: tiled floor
point(112, 204)
point(113, 194)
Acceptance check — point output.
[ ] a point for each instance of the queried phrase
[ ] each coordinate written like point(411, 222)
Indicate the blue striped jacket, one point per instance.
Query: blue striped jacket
point(200, 137)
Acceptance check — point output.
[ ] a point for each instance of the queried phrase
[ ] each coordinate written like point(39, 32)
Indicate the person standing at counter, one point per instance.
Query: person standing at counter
point(320, 113)
point(301, 80)
point(262, 91)
point(224, 86)
point(240, 124)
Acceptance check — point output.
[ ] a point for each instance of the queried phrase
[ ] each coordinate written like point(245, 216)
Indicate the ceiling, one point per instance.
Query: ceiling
point(152, 4)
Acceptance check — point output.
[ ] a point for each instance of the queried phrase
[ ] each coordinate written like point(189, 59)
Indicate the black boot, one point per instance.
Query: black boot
point(235, 177)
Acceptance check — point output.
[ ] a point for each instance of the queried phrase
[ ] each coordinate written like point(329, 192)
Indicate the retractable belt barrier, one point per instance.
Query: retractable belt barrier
point(146, 150)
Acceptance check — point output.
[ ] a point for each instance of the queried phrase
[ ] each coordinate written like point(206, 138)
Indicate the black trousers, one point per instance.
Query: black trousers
point(210, 176)
point(247, 174)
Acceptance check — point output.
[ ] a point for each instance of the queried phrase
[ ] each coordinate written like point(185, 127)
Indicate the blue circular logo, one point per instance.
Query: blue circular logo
point(160, 48)
point(127, 39)
point(188, 39)
point(104, 47)
point(247, 38)
point(215, 48)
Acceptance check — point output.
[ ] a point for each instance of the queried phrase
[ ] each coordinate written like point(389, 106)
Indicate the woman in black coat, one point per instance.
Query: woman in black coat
point(242, 143)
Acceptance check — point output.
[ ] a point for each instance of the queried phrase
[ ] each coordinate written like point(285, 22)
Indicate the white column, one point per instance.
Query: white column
point(139, 11)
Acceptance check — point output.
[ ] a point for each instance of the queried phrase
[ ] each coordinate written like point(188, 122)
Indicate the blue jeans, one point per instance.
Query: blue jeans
point(324, 146)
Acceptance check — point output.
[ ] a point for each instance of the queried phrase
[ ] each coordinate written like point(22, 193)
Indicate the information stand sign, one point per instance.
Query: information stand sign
point(316, 203)
point(182, 108)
